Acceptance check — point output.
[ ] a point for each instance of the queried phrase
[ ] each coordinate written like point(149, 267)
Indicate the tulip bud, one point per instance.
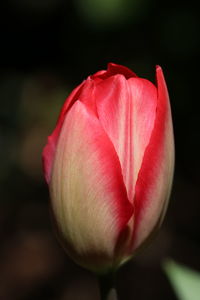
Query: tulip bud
point(109, 166)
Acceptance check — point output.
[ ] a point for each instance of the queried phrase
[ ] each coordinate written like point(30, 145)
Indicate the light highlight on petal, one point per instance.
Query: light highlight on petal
point(88, 195)
point(126, 110)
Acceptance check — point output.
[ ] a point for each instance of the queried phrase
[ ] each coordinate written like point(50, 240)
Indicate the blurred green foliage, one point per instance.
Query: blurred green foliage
point(111, 13)
point(185, 281)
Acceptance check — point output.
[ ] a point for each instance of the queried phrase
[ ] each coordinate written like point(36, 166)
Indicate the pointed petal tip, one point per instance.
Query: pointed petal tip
point(159, 75)
point(158, 68)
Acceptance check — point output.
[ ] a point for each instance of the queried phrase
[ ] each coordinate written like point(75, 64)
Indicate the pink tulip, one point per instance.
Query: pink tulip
point(109, 166)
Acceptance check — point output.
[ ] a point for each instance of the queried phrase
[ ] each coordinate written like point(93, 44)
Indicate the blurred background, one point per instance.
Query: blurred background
point(47, 47)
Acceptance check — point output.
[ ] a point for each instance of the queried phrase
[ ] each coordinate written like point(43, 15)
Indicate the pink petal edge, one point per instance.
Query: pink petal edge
point(49, 149)
point(155, 177)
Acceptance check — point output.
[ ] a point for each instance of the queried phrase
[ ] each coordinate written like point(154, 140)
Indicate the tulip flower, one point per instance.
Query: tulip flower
point(109, 166)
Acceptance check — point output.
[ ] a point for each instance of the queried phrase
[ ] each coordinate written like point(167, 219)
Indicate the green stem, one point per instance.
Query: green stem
point(107, 287)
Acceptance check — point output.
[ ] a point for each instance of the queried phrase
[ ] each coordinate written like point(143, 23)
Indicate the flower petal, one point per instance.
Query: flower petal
point(126, 110)
point(155, 177)
point(82, 92)
point(49, 149)
point(114, 69)
point(88, 194)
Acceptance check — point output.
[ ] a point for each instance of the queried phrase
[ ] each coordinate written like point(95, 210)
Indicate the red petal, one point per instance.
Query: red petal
point(82, 92)
point(155, 177)
point(126, 111)
point(49, 149)
point(87, 190)
point(114, 69)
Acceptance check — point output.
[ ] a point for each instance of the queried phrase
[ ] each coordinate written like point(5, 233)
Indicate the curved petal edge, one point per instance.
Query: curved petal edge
point(155, 177)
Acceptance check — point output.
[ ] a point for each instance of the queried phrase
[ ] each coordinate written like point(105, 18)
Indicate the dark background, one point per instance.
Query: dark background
point(47, 47)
